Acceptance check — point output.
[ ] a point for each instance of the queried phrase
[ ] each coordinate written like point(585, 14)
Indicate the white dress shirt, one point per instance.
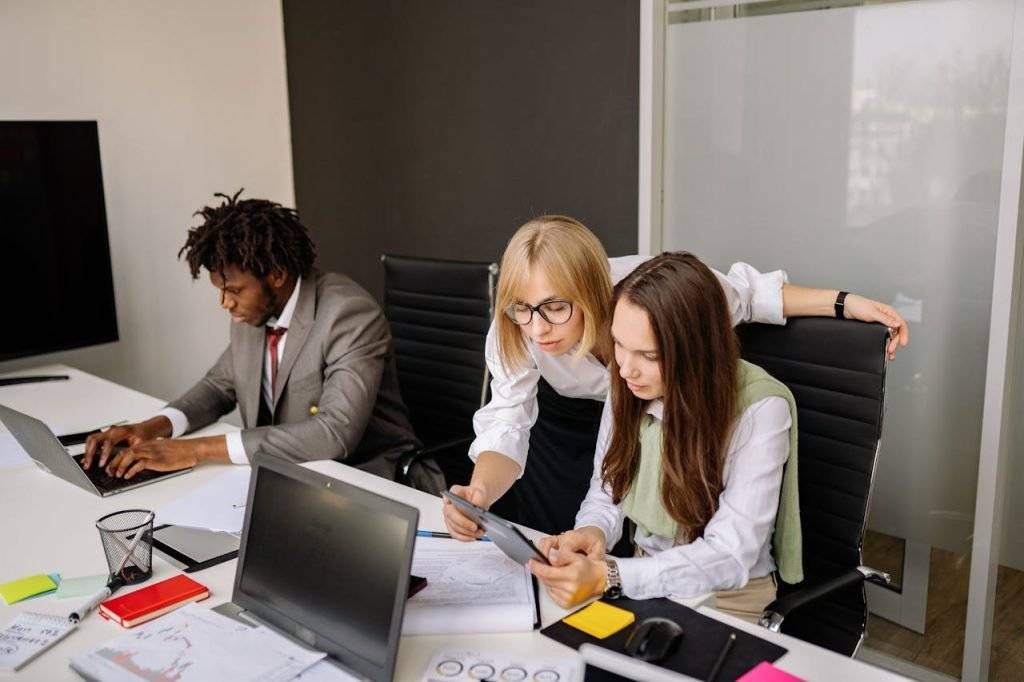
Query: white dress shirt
point(236, 450)
point(736, 544)
point(503, 424)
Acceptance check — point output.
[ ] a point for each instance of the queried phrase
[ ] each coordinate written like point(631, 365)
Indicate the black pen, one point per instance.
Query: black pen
point(442, 534)
point(722, 656)
point(14, 381)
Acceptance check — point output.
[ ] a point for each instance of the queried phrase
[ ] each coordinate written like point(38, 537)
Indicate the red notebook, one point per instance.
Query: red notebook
point(155, 600)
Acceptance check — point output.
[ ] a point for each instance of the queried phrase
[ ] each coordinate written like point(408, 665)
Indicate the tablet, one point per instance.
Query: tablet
point(505, 535)
point(193, 549)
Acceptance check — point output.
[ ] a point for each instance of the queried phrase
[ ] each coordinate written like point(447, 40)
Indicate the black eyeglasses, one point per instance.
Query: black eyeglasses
point(553, 312)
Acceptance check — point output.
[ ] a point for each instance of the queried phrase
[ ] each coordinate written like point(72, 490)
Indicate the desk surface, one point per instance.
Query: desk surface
point(49, 527)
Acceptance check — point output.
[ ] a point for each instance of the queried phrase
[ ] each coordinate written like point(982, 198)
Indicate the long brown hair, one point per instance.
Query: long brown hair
point(698, 353)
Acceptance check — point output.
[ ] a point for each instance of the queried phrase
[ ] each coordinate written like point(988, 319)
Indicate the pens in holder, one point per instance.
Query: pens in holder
point(721, 657)
point(129, 553)
point(129, 561)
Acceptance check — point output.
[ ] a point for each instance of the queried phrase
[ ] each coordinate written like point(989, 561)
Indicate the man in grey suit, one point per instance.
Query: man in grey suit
point(309, 364)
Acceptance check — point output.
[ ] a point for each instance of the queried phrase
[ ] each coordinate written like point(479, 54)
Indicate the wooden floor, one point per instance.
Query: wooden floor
point(941, 648)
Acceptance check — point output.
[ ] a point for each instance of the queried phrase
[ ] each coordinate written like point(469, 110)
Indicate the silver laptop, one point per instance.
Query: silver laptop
point(325, 563)
point(49, 455)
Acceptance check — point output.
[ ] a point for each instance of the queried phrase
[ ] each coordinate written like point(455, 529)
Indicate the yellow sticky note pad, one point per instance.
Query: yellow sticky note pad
point(23, 588)
point(600, 619)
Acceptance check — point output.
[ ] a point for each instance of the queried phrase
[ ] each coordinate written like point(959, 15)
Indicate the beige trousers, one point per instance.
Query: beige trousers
point(749, 601)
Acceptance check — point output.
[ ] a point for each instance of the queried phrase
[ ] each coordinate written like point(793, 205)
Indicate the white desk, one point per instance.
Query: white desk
point(48, 526)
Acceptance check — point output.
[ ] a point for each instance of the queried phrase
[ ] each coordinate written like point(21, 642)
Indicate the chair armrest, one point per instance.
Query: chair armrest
point(776, 612)
point(438, 450)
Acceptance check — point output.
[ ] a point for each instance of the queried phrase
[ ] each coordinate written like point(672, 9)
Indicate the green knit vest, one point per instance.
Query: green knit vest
point(643, 501)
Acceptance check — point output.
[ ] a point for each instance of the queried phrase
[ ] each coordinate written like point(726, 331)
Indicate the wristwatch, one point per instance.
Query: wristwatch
point(614, 588)
point(840, 305)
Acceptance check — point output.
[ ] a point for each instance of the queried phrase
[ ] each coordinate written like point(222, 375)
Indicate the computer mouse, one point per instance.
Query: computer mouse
point(654, 639)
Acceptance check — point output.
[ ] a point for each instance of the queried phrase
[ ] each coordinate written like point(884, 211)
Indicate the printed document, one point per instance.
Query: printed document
point(472, 587)
point(195, 644)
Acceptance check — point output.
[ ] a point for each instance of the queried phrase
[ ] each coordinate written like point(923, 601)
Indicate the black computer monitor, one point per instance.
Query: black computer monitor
point(55, 279)
point(326, 562)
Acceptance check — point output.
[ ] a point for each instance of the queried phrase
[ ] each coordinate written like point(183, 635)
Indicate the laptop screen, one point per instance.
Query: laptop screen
point(324, 556)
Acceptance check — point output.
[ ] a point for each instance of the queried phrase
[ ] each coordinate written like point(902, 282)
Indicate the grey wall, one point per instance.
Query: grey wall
point(436, 128)
point(190, 99)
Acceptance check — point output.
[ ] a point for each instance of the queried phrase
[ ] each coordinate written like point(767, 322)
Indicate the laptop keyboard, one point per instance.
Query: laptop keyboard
point(107, 483)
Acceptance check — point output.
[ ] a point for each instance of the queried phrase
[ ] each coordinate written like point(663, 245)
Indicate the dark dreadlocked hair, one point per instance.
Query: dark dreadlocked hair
point(253, 235)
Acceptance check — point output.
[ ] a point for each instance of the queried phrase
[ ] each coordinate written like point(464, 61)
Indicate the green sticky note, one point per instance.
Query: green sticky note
point(55, 577)
point(81, 587)
point(22, 588)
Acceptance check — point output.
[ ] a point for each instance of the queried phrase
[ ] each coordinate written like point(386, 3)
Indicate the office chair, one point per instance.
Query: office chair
point(836, 371)
point(439, 311)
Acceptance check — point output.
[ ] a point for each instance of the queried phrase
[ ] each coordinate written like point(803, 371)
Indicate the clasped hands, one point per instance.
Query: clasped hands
point(146, 446)
point(578, 570)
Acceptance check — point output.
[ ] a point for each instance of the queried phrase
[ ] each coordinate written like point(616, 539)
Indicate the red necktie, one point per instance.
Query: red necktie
point(274, 335)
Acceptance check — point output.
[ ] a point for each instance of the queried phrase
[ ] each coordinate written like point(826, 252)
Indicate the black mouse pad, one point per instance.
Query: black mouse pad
point(702, 642)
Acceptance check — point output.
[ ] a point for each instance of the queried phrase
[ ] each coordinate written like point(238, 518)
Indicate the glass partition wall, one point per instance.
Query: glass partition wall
point(861, 146)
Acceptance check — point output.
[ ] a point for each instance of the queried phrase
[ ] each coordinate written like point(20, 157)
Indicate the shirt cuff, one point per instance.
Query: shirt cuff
point(236, 449)
point(766, 305)
point(179, 422)
point(512, 444)
point(641, 577)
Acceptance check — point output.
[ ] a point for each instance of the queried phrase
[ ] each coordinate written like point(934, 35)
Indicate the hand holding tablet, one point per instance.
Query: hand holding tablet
point(505, 535)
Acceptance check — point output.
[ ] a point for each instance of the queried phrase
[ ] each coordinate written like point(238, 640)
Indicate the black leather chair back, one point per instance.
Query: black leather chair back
point(836, 371)
point(439, 312)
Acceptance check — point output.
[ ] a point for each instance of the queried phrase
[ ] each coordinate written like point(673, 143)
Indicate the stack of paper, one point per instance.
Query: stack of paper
point(217, 505)
point(28, 636)
point(472, 587)
point(195, 644)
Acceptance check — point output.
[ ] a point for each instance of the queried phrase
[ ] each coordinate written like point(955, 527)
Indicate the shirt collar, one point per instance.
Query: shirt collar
point(289, 309)
point(656, 408)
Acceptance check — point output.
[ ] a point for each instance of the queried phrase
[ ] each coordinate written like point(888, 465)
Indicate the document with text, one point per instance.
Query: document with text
point(472, 587)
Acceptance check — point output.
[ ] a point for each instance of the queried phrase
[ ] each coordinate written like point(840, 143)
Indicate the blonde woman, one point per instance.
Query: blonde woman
point(550, 379)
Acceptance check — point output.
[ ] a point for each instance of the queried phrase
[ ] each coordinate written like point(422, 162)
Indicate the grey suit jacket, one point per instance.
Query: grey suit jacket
point(337, 392)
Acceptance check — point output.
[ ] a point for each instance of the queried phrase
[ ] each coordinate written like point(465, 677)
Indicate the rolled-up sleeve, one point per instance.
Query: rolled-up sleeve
point(597, 508)
point(722, 558)
point(503, 424)
point(753, 296)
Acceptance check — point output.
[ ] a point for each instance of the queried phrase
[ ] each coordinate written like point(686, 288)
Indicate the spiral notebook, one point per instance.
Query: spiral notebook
point(29, 635)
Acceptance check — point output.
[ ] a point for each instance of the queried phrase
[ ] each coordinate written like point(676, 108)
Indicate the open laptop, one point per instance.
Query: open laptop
point(325, 563)
point(43, 447)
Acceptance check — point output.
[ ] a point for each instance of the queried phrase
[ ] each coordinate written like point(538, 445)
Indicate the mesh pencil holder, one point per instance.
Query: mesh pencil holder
point(127, 538)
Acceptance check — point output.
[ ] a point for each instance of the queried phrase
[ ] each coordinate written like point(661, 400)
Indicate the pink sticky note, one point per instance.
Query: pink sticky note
point(766, 672)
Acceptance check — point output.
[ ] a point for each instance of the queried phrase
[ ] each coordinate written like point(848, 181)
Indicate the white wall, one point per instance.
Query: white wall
point(190, 98)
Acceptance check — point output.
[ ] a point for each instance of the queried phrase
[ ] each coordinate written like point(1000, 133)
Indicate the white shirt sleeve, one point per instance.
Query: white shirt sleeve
point(753, 296)
point(179, 422)
point(179, 426)
point(738, 532)
point(236, 448)
point(503, 424)
point(597, 508)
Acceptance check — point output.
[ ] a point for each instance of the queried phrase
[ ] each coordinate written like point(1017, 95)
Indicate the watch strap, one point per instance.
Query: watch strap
point(840, 305)
point(614, 588)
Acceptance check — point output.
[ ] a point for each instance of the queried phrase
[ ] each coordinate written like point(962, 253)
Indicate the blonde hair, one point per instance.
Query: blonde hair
point(576, 266)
